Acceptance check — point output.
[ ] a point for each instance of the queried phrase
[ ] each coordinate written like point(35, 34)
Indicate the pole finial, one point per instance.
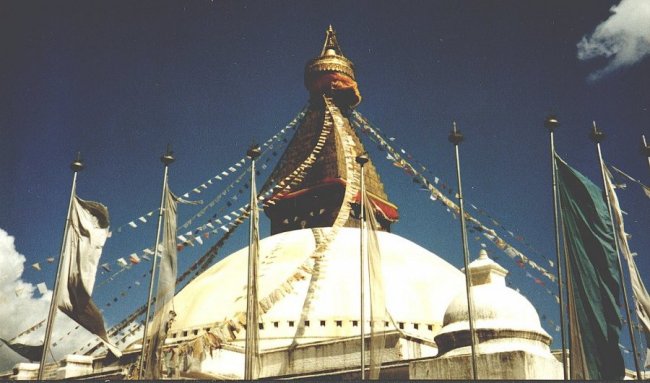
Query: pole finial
point(254, 151)
point(168, 157)
point(596, 134)
point(455, 137)
point(77, 165)
point(551, 123)
point(362, 158)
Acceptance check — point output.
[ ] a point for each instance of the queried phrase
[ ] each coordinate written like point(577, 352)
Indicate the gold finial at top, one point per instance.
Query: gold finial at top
point(331, 45)
point(330, 60)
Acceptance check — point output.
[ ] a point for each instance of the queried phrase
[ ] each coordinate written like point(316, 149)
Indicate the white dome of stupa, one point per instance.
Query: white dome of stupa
point(319, 303)
point(503, 318)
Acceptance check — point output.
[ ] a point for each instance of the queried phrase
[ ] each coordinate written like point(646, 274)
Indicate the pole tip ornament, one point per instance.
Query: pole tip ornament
point(596, 134)
point(362, 158)
point(254, 151)
point(77, 165)
point(551, 123)
point(456, 137)
point(168, 157)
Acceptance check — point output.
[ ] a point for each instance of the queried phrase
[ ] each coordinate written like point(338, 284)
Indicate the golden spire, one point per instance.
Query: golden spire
point(331, 60)
point(331, 46)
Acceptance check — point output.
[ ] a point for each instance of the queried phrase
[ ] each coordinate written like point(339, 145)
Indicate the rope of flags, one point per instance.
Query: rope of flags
point(474, 226)
point(134, 258)
point(645, 188)
point(243, 212)
point(363, 124)
point(221, 175)
point(191, 236)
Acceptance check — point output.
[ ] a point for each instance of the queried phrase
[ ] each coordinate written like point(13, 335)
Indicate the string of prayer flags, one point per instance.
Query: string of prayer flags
point(450, 205)
point(277, 137)
point(239, 219)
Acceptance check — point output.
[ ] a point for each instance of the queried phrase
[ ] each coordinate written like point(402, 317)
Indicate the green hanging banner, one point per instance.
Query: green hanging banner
point(594, 277)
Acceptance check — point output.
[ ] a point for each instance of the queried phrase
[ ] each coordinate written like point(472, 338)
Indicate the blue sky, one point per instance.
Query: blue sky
point(120, 80)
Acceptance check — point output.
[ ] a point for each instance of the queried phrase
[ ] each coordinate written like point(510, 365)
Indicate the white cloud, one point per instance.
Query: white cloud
point(624, 38)
point(23, 306)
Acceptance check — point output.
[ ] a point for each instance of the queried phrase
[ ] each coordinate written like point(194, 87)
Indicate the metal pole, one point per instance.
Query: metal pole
point(456, 137)
point(645, 148)
point(551, 124)
point(251, 347)
point(76, 166)
point(167, 159)
point(597, 136)
point(362, 160)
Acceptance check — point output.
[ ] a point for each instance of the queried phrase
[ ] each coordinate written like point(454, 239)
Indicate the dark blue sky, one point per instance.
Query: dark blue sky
point(119, 80)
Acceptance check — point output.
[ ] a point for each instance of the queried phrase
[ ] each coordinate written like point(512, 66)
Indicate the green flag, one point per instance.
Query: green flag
point(593, 276)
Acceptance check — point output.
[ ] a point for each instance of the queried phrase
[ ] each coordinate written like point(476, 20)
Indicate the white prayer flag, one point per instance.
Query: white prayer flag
point(132, 224)
point(86, 235)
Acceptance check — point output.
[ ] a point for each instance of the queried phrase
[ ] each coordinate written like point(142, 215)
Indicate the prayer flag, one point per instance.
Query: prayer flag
point(122, 262)
point(594, 277)
point(641, 296)
point(37, 266)
point(32, 353)
point(132, 224)
point(86, 235)
point(166, 287)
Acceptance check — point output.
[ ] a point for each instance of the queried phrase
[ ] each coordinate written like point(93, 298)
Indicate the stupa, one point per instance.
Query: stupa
point(309, 276)
point(309, 267)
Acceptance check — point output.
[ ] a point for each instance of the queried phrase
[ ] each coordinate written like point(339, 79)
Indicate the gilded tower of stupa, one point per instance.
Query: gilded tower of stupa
point(315, 201)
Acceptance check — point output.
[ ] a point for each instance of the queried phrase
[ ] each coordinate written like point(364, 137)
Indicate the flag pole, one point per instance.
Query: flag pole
point(551, 123)
point(362, 160)
point(597, 136)
point(646, 148)
point(251, 347)
point(76, 166)
point(167, 159)
point(456, 137)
